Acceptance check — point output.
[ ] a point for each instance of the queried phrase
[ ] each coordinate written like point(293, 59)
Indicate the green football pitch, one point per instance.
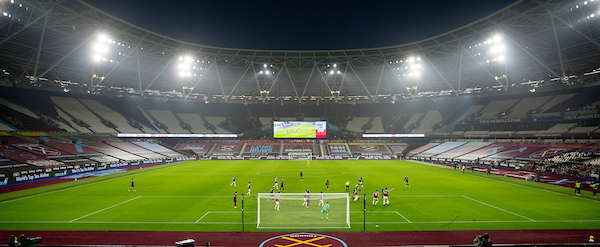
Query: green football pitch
point(197, 196)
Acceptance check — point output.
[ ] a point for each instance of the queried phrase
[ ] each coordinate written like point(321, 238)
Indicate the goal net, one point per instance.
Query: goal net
point(300, 156)
point(292, 213)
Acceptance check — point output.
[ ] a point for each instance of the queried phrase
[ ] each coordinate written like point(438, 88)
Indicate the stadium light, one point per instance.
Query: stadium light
point(412, 68)
point(186, 66)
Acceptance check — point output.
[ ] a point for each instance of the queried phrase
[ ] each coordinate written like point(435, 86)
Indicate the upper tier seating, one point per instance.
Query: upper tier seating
point(167, 118)
point(195, 121)
point(587, 129)
point(495, 107)
point(377, 126)
point(110, 115)
point(216, 121)
point(527, 105)
point(428, 122)
point(555, 101)
point(80, 112)
point(472, 110)
point(413, 120)
point(357, 123)
point(559, 128)
point(158, 149)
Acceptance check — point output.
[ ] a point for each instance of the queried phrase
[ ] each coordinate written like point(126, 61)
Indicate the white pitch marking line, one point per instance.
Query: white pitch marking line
point(105, 209)
point(78, 186)
point(499, 208)
point(201, 217)
point(183, 196)
point(254, 223)
point(541, 189)
point(403, 217)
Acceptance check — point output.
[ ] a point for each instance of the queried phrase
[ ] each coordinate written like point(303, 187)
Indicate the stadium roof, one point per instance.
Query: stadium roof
point(74, 42)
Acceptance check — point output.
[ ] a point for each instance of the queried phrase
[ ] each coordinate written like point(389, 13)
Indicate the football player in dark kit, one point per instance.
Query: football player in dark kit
point(235, 200)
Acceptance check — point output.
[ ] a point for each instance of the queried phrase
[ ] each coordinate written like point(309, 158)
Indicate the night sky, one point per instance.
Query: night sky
point(300, 25)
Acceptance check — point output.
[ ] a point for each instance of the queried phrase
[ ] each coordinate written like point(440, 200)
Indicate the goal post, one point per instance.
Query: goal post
point(300, 156)
point(293, 214)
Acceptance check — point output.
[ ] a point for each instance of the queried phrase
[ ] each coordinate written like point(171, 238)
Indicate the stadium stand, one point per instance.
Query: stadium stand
point(217, 123)
point(559, 128)
point(356, 124)
point(370, 149)
point(440, 149)
point(18, 108)
point(129, 147)
point(170, 122)
point(423, 148)
point(516, 151)
point(470, 112)
point(157, 148)
point(463, 150)
point(22, 156)
point(81, 114)
point(587, 129)
point(298, 148)
point(256, 149)
point(376, 126)
point(110, 116)
point(397, 148)
point(413, 121)
point(558, 99)
point(337, 149)
point(227, 149)
point(495, 108)
point(199, 149)
point(426, 124)
point(195, 122)
point(527, 106)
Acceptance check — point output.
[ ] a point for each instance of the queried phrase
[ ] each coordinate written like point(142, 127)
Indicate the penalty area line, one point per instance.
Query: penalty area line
point(403, 217)
point(504, 210)
point(104, 209)
point(201, 217)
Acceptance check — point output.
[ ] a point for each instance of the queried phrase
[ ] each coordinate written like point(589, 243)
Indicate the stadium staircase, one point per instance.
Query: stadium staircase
point(348, 149)
point(105, 122)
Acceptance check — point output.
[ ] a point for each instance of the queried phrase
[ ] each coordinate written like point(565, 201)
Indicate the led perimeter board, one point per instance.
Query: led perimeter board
point(285, 129)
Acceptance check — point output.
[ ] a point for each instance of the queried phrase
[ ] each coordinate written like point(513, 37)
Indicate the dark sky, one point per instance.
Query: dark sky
point(300, 25)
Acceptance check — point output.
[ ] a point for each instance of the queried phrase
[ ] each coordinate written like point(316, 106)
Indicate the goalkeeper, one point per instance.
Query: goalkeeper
point(325, 211)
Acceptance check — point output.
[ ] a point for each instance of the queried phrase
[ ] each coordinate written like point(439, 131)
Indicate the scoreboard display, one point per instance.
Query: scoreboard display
point(299, 129)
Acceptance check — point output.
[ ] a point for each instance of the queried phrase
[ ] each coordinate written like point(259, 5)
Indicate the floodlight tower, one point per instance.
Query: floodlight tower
point(333, 75)
point(409, 69)
point(105, 52)
point(99, 51)
point(267, 74)
point(188, 69)
point(492, 55)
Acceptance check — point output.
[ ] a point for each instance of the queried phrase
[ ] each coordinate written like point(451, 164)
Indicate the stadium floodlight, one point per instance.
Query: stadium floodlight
point(290, 215)
point(186, 67)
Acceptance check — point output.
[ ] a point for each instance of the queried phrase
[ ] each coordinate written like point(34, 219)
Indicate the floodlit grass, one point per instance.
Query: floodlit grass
point(196, 196)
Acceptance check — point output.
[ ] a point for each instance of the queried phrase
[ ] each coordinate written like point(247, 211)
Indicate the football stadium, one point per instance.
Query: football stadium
point(115, 135)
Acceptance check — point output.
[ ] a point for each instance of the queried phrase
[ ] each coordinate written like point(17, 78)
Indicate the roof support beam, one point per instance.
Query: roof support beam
point(291, 80)
point(560, 59)
point(240, 79)
point(139, 61)
point(161, 71)
point(66, 56)
point(532, 56)
point(39, 47)
point(25, 27)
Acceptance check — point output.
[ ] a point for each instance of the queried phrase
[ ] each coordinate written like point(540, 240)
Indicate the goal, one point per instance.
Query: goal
point(300, 156)
point(292, 214)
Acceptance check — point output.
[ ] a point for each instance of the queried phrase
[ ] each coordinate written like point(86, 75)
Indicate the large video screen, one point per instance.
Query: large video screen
point(284, 129)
